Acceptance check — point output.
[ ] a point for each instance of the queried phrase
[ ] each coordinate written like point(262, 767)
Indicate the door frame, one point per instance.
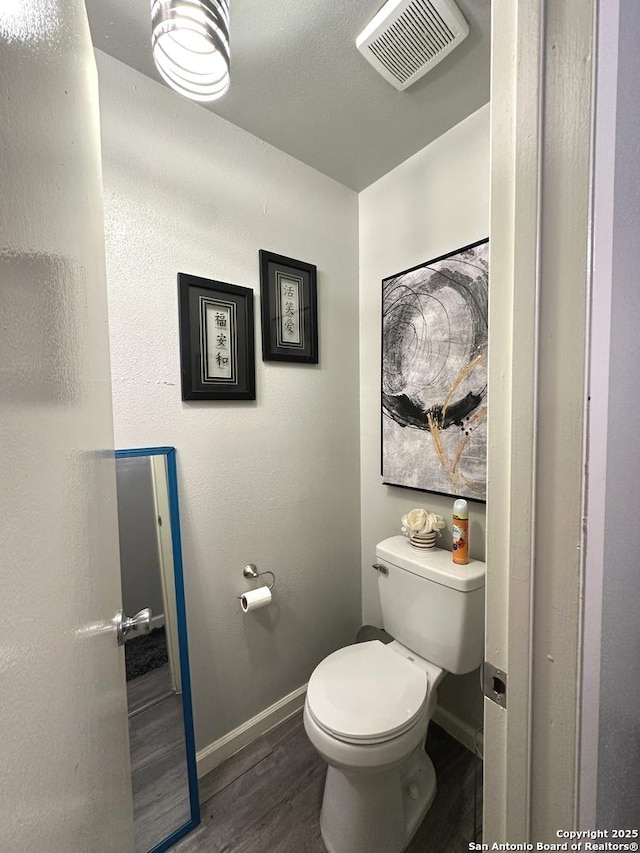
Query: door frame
point(165, 555)
point(541, 173)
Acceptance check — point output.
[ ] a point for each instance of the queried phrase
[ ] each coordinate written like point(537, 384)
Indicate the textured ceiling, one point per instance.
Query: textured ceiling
point(299, 83)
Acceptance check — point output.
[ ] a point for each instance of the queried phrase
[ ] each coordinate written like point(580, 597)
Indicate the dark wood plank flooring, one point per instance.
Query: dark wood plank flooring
point(148, 688)
point(158, 762)
point(267, 798)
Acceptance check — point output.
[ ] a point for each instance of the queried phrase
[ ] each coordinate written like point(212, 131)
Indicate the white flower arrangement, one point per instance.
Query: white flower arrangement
point(422, 521)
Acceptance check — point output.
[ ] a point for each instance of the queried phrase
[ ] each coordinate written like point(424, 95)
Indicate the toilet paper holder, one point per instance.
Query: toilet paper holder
point(251, 573)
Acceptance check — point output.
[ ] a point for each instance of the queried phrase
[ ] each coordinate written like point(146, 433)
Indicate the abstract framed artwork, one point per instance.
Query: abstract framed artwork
point(217, 356)
point(434, 374)
point(288, 300)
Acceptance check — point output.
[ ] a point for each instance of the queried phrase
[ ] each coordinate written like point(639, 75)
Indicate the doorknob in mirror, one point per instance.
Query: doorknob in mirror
point(136, 625)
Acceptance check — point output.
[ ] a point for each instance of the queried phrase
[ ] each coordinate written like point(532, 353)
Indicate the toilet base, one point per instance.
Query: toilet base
point(376, 812)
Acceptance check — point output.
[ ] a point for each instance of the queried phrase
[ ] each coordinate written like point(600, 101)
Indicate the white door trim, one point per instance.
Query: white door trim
point(599, 338)
point(540, 225)
point(514, 228)
point(167, 566)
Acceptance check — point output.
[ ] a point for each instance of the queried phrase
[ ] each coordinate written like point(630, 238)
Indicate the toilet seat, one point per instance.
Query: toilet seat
point(367, 693)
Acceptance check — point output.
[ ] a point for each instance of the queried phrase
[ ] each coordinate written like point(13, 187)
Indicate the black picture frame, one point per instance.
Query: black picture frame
point(287, 285)
point(217, 355)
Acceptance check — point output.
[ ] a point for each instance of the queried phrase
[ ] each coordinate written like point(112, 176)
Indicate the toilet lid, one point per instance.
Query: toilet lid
point(366, 692)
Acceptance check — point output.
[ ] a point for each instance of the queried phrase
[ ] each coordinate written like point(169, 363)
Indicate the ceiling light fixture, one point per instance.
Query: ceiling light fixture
point(190, 41)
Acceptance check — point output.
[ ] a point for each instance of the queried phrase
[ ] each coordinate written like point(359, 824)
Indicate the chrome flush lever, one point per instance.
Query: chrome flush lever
point(380, 568)
point(138, 624)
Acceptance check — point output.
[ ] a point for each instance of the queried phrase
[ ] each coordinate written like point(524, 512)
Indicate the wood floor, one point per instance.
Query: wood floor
point(147, 689)
point(158, 763)
point(267, 798)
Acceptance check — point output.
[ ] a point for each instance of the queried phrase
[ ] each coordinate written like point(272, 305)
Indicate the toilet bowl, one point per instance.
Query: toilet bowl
point(367, 711)
point(368, 705)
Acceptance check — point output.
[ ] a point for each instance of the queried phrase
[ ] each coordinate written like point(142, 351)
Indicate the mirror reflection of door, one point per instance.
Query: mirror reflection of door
point(159, 767)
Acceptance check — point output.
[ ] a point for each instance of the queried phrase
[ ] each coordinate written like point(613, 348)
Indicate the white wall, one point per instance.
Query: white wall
point(138, 528)
point(433, 203)
point(276, 481)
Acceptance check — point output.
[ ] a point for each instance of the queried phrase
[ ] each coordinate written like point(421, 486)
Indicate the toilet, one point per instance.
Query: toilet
point(368, 705)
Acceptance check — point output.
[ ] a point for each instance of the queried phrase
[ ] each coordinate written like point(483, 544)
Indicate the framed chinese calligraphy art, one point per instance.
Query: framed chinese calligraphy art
point(434, 374)
point(288, 299)
point(216, 340)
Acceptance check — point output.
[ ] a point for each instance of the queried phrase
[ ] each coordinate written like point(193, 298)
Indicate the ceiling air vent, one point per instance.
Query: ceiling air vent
point(407, 38)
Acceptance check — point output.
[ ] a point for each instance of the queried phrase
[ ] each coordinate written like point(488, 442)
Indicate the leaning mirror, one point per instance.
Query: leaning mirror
point(163, 761)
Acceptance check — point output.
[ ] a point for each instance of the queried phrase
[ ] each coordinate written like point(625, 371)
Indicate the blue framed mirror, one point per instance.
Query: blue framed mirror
point(161, 736)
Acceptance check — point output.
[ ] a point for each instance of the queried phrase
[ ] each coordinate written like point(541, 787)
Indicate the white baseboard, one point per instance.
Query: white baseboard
point(215, 753)
point(218, 751)
point(460, 730)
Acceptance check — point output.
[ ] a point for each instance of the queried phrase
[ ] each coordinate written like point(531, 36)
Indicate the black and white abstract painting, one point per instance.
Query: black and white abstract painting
point(434, 374)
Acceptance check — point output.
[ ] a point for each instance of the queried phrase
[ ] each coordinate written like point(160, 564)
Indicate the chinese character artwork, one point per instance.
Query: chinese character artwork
point(289, 327)
point(219, 328)
point(217, 345)
point(288, 308)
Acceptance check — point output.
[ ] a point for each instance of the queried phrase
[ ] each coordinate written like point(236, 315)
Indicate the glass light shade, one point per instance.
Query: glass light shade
point(190, 42)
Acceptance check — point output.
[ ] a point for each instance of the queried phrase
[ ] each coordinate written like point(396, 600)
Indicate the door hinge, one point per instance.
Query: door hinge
point(494, 684)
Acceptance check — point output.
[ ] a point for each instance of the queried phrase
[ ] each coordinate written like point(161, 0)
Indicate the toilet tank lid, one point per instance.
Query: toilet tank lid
point(434, 564)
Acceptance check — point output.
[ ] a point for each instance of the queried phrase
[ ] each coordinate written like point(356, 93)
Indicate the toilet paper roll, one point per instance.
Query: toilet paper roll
point(259, 597)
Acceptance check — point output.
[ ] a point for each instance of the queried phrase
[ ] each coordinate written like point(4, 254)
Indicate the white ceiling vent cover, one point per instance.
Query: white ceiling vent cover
point(407, 38)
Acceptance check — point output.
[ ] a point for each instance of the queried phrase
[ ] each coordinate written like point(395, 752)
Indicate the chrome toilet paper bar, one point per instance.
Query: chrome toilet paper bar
point(251, 573)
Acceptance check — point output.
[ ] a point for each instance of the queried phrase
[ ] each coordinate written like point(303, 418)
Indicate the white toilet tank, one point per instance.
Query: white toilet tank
point(431, 605)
